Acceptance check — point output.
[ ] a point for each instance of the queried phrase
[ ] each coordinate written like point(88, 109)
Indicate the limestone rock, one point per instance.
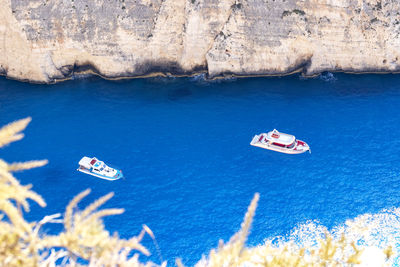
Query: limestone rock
point(49, 40)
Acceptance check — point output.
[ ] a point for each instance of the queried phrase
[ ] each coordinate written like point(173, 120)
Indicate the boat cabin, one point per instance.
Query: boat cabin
point(89, 163)
point(280, 139)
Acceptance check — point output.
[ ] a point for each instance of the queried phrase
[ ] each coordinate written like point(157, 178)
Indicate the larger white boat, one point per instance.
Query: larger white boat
point(280, 142)
point(95, 167)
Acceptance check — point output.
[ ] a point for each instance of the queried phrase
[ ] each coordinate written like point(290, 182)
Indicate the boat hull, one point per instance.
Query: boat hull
point(119, 175)
point(299, 148)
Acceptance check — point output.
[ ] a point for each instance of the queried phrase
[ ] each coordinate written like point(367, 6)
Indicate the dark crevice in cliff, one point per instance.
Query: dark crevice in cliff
point(71, 71)
point(171, 68)
point(147, 68)
point(300, 66)
point(85, 69)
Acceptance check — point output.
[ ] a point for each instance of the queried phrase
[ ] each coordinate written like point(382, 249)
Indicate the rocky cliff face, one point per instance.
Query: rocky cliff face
point(48, 40)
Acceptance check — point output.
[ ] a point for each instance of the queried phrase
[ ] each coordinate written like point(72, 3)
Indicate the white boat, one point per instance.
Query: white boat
point(281, 142)
point(99, 169)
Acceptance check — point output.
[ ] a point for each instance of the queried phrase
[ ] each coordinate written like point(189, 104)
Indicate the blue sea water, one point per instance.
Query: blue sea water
point(183, 146)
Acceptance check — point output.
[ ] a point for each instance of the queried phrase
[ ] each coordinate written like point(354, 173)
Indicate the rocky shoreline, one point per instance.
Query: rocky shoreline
point(45, 41)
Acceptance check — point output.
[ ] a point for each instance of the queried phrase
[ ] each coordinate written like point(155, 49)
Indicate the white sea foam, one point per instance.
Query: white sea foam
point(328, 77)
point(80, 76)
point(199, 78)
point(203, 79)
point(371, 232)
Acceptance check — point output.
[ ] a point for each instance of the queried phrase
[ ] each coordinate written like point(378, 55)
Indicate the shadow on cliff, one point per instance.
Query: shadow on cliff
point(143, 69)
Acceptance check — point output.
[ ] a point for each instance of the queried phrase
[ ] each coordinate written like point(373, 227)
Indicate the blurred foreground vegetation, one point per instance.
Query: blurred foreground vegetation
point(84, 240)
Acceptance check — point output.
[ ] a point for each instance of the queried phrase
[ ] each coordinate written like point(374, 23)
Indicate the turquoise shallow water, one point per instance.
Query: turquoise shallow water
point(183, 145)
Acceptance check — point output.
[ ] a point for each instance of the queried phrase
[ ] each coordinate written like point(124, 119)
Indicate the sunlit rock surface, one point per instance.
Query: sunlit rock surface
point(49, 40)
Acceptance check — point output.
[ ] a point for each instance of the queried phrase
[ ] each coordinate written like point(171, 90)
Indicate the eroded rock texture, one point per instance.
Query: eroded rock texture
point(47, 40)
